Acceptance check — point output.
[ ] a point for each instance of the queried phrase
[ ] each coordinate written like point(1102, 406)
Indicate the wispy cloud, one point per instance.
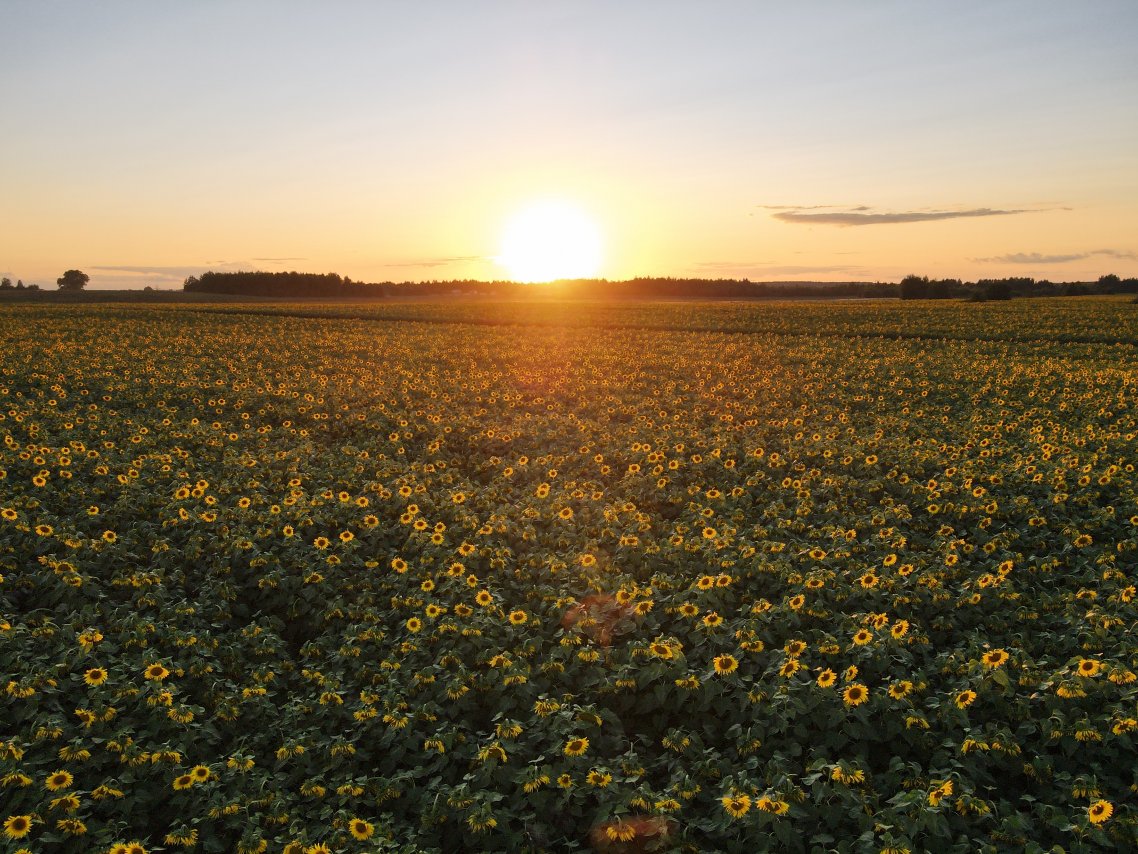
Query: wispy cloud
point(863, 215)
point(439, 262)
point(761, 268)
point(1040, 258)
point(279, 260)
point(172, 274)
point(811, 207)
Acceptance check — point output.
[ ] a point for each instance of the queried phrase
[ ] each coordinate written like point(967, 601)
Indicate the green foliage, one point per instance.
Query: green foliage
point(275, 581)
point(73, 280)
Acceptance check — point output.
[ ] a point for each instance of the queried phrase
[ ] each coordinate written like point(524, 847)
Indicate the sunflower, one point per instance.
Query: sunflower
point(576, 746)
point(200, 773)
point(1089, 667)
point(1100, 811)
point(59, 780)
point(620, 831)
point(600, 779)
point(483, 598)
point(994, 658)
point(660, 650)
point(414, 624)
point(900, 629)
point(18, 826)
point(361, 829)
point(518, 618)
point(964, 698)
point(737, 805)
point(855, 694)
point(321, 542)
point(183, 782)
point(399, 565)
point(772, 806)
point(725, 664)
point(862, 637)
point(712, 620)
point(827, 678)
point(156, 672)
point(899, 690)
point(95, 676)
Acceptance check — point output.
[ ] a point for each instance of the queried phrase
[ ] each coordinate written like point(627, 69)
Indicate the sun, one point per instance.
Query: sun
point(550, 240)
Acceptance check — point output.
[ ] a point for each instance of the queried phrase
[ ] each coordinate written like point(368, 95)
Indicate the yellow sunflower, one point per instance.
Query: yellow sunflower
point(855, 694)
point(725, 664)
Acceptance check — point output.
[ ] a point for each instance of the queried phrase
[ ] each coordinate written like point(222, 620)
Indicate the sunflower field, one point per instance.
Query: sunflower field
point(551, 577)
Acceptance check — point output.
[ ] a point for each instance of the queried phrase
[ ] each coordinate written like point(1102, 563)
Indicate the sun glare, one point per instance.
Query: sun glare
point(550, 240)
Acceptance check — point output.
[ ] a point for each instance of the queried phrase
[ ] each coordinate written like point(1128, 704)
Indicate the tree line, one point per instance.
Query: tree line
point(295, 284)
point(922, 287)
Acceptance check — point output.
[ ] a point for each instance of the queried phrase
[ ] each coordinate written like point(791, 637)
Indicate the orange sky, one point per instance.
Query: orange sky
point(836, 141)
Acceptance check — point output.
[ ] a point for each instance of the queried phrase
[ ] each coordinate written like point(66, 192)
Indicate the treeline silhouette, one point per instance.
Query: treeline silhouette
point(922, 287)
point(293, 284)
point(332, 285)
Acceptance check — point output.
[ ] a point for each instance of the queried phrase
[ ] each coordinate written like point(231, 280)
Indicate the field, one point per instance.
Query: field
point(552, 577)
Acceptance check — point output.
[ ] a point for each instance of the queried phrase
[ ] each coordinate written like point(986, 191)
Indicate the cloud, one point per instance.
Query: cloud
point(1040, 258)
point(761, 268)
point(279, 260)
point(128, 274)
point(863, 215)
point(809, 207)
point(439, 262)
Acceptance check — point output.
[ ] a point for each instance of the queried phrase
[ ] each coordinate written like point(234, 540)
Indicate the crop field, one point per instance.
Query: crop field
point(550, 577)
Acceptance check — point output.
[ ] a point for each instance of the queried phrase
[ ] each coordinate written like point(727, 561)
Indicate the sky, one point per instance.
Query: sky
point(144, 142)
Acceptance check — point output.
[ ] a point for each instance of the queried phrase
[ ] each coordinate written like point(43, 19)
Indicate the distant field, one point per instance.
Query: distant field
point(557, 576)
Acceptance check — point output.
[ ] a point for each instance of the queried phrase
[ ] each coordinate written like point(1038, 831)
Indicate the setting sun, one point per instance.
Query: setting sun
point(550, 240)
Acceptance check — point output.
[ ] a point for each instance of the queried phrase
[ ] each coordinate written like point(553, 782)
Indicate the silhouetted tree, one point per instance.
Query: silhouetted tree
point(998, 290)
point(73, 280)
point(5, 284)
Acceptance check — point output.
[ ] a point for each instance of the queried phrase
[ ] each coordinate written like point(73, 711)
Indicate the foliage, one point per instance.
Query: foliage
point(275, 581)
point(73, 280)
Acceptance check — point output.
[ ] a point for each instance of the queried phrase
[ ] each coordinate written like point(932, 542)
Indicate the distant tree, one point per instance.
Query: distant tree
point(915, 287)
point(19, 283)
point(999, 289)
point(73, 280)
point(5, 284)
point(1109, 282)
point(31, 287)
